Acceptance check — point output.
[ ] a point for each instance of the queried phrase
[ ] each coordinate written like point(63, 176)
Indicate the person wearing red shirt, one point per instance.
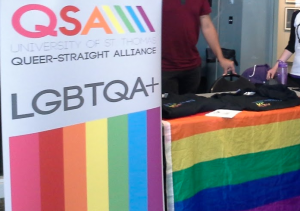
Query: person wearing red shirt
point(181, 62)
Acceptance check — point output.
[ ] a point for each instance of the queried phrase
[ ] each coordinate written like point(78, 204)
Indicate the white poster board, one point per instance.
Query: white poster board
point(65, 63)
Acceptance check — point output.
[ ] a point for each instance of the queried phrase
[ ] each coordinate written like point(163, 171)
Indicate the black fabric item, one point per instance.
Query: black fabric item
point(292, 81)
point(262, 98)
point(266, 97)
point(277, 91)
point(175, 106)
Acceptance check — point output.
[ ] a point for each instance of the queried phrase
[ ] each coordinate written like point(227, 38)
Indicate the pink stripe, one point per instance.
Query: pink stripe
point(25, 173)
point(155, 184)
point(292, 204)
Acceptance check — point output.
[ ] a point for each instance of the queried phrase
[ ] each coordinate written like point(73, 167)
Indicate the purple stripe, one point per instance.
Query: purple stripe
point(286, 205)
point(154, 156)
point(146, 19)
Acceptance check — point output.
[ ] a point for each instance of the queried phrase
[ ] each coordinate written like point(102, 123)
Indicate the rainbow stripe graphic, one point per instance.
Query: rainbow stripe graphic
point(108, 164)
point(236, 164)
point(132, 14)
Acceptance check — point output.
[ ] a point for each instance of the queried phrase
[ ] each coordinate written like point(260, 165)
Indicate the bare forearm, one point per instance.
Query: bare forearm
point(211, 36)
point(284, 57)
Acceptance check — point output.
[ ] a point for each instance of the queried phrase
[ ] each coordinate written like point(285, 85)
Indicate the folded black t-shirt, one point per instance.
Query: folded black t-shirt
point(262, 98)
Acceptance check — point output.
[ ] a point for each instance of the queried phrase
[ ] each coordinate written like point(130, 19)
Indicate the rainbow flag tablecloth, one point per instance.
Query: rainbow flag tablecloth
point(250, 162)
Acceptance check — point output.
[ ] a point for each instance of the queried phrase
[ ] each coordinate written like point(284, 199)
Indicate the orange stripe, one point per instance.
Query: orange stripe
point(192, 125)
point(75, 168)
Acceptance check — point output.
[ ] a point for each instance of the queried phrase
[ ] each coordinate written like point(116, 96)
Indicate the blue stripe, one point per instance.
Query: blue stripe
point(135, 18)
point(138, 189)
point(244, 196)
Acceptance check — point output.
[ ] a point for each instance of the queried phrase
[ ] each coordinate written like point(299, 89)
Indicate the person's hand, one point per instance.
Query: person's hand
point(271, 73)
point(227, 66)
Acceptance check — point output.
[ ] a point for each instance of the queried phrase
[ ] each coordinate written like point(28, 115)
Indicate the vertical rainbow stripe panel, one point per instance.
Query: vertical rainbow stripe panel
point(137, 130)
point(104, 165)
point(118, 163)
point(97, 165)
point(27, 164)
point(250, 162)
point(51, 170)
point(74, 154)
point(154, 173)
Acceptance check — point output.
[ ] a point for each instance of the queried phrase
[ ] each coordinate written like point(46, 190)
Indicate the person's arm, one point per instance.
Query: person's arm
point(289, 49)
point(211, 36)
point(284, 57)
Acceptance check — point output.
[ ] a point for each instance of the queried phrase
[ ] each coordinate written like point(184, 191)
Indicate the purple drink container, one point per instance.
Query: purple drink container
point(282, 72)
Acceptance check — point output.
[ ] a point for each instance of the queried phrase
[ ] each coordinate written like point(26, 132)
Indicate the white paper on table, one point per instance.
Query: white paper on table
point(225, 113)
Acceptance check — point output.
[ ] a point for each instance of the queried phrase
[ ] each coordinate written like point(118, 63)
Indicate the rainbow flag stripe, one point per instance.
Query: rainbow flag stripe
point(108, 164)
point(135, 18)
point(220, 164)
point(126, 20)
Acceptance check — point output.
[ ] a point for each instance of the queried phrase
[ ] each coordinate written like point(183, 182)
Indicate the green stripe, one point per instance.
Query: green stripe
point(125, 19)
point(234, 170)
point(118, 163)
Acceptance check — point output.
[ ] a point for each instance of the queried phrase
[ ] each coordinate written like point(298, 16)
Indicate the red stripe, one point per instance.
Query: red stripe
point(52, 168)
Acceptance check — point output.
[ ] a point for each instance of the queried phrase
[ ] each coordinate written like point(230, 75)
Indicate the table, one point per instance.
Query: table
point(250, 162)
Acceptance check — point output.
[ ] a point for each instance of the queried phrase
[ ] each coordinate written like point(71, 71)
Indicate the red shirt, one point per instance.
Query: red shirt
point(180, 33)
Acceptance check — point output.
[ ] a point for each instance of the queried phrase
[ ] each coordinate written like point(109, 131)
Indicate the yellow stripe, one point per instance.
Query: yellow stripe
point(97, 165)
point(113, 19)
point(231, 142)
